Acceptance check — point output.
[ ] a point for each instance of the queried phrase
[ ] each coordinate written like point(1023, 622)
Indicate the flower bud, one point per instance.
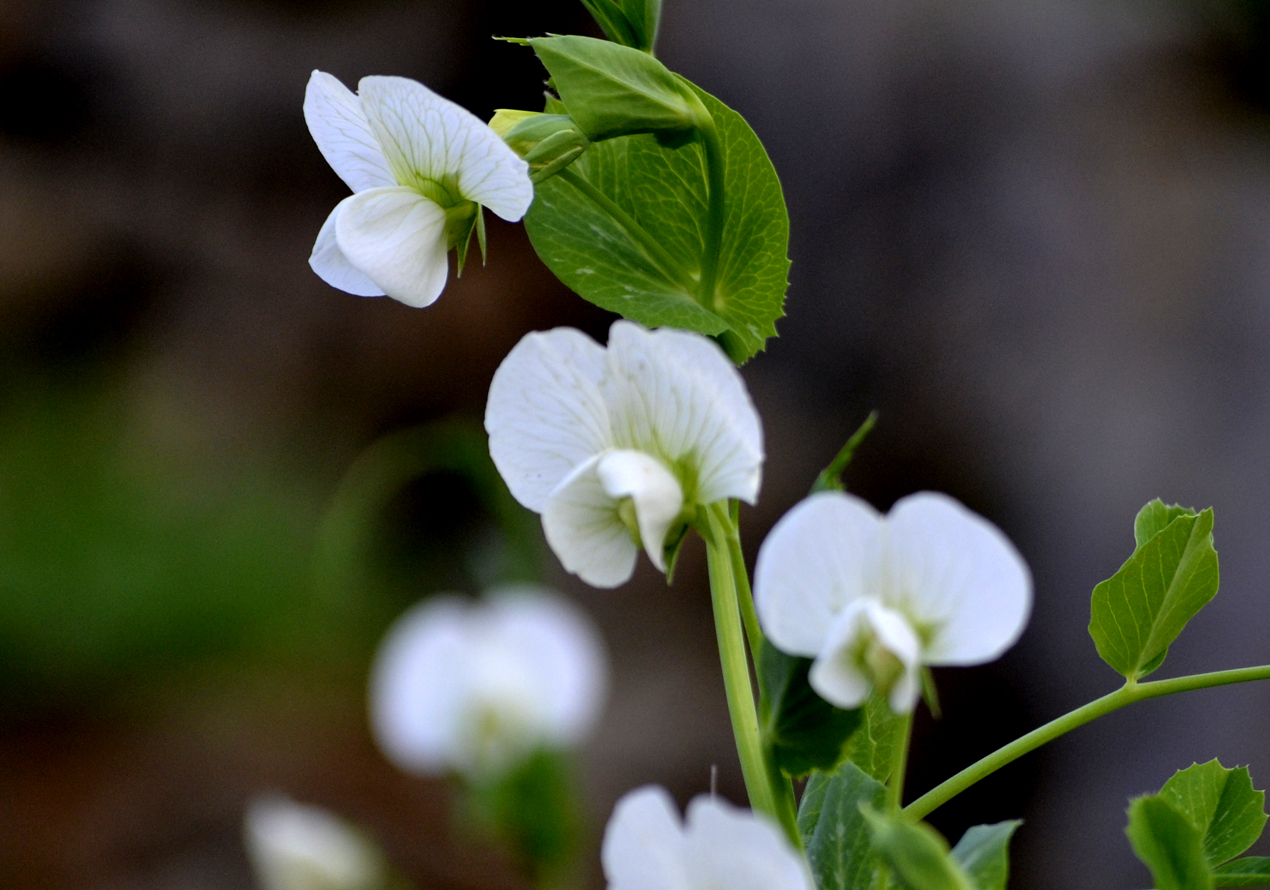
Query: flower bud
point(547, 142)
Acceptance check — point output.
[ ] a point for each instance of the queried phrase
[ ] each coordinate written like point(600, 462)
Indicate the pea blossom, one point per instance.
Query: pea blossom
point(421, 169)
point(617, 447)
point(872, 598)
point(647, 847)
point(295, 846)
point(475, 686)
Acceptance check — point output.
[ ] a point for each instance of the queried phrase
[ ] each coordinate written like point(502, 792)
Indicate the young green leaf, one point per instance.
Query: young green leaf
point(1164, 839)
point(917, 853)
point(1141, 609)
point(1154, 518)
point(1222, 805)
point(801, 730)
point(631, 23)
point(871, 747)
point(1251, 871)
point(984, 854)
point(613, 90)
point(623, 226)
point(833, 828)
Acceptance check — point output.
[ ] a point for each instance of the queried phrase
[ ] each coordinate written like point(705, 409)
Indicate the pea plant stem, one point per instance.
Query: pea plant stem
point(1128, 694)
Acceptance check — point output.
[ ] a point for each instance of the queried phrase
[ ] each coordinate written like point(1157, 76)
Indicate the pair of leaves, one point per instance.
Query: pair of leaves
point(1202, 818)
point(850, 843)
point(1173, 572)
point(628, 224)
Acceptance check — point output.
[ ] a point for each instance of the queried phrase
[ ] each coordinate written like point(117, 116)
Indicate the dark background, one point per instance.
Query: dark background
point(1035, 235)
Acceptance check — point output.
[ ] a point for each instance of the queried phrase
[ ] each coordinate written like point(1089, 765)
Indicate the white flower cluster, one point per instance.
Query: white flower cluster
point(474, 687)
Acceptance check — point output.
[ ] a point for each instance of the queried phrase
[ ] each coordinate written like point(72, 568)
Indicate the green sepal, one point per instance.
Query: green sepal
point(834, 832)
point(631, 23)
point(917, 854)
point(800, 730)
point(461, 221)
point(1221, 804)
point(1172, 848)
point(930, 692)
point(830, 478)
point(1137, 613)
point(481, 240)
point(1251, 871)
point(535, 813)
point(612, 90)
point(984, 854)
point(672, 546)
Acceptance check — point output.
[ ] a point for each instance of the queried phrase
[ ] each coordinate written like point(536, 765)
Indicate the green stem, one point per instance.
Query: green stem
point(1125, 695)
point(899, 764)
point(660, 257)
point(736, 669)
point(753, 633)
point(716, 214)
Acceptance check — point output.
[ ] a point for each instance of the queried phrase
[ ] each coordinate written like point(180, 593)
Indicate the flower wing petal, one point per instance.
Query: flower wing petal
point(585, 531)
point(678, 396)
point(416, 687)
point(811, 566)
point(343, 135)
point(545, 415)
point(959, 573)
point(424, 135)
point(735, 848)
point(330, 264)
point(561, 651)
point(655, 492)
point(396, 238)
point(644, 847)
point(840, 679)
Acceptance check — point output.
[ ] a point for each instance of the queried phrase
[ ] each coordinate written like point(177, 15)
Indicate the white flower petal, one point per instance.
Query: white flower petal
point(586, 533)
point(960, 574)
point(841, 678)
point(417, 690)
point(644, 847)
point(329, 262)
point(812, 565)
point(545, 415)
point(561, 651)
point(294, 846)
point(737, 849)
point(655, 492)
point(396, 238)
point(424, 135)
point(343, 135)
point(684, 402)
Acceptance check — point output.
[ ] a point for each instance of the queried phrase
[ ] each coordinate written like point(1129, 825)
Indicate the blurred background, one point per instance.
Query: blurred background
point(1034, 235)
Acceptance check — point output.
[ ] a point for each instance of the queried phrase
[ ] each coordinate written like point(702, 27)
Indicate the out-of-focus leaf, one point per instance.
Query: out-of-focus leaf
point(984, 854)
point(872, 746)
point(1164, 838)
point(834, 830)
point(1251, 871)
point(801, 730)
point(631, 23)
point(916, 853)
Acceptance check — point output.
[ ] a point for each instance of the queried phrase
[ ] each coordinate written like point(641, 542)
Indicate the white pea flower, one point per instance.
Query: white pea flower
point(646, 847)
point(476, 686)
point(617, 446)
point(421, 168)
point(294, 846)
point(872, 598)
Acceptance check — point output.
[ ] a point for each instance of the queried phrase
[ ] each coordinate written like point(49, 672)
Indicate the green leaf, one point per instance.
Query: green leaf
point(1169, 844)
point(917, 853)
point(800, 729)
point(984, 853)
point(623, 226)
point(1222, 805)
point(872, 746)
point(833, 828)
point(1141, 609)
point(631, 23)
point(1251, 871)
point(612, 90)
point(1154, 518)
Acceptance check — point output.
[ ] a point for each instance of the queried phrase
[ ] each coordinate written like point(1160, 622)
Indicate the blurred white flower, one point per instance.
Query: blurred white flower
point(474, 687)
point(294, 846)
point(420, 168)
point(646, 847)
point(614, 445)
point(873, 598)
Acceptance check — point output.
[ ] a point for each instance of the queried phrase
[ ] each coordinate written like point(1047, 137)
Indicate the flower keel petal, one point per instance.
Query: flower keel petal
point(397, 239)
point(656, 494)
point(585, 531)
point(330, 264)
